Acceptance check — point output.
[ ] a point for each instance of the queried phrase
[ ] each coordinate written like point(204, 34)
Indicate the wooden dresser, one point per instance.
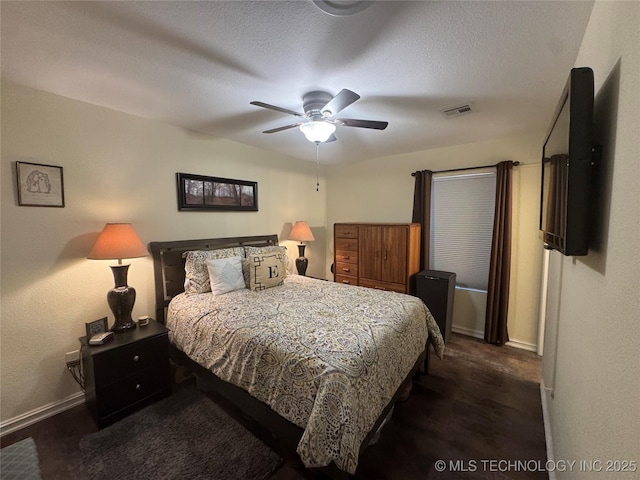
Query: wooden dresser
point(345, 246)
point(377, 255)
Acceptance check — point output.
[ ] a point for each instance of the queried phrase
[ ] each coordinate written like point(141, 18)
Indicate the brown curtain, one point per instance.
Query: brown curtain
point(422, 212)
point(495, 325)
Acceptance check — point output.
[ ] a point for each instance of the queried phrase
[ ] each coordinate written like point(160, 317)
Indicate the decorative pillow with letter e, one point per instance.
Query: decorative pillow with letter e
point(250, 250)
point(266, 270)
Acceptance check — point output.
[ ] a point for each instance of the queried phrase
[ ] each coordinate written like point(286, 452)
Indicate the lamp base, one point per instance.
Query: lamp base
point(301, 262)
point(121, 299)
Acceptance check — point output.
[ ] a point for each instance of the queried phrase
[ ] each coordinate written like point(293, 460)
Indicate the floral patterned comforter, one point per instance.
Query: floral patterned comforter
point(326, 356)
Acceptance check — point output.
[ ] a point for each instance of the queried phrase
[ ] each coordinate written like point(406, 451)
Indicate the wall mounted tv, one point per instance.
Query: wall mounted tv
point(567, 168)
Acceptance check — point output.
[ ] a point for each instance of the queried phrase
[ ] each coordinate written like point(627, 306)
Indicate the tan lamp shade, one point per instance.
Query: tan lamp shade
point(117, 241)
point(301, 232)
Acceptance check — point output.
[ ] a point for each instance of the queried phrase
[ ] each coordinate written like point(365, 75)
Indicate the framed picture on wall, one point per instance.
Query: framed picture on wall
point(199, 192)
point(39, 185)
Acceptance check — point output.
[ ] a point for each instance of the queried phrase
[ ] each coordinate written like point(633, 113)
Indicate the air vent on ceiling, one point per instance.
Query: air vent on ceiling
point(457, 111)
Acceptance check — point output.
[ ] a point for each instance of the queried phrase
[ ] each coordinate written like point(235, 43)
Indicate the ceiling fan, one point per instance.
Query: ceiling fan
point(318, 123)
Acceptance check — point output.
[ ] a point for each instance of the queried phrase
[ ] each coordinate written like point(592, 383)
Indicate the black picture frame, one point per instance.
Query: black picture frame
point(96, 327)
point(39, 185)
point(203, 193)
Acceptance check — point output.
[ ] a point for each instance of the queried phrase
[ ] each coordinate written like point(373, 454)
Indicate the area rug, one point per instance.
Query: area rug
point(19, 461)
point(185, 436)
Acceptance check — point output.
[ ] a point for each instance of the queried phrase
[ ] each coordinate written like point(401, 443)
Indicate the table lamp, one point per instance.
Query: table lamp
point(118, 241)
point(302, 233)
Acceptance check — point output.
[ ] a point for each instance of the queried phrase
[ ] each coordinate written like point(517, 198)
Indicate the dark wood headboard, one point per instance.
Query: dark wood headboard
point(168, 264)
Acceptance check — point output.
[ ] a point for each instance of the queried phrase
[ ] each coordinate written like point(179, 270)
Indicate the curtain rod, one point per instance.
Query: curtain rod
point(515, 164)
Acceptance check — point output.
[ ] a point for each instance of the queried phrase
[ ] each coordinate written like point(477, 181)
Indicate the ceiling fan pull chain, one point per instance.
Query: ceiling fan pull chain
point(317, 167)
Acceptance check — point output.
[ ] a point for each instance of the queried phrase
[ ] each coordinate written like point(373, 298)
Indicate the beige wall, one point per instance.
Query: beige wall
point(381, 190)
point(116, 168)
point(594, 412)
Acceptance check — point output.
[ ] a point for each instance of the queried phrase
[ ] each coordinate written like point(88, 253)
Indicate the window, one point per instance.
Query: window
point(462, 210)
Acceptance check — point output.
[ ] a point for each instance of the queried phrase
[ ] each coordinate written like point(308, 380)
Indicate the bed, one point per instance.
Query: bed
point(317, 364)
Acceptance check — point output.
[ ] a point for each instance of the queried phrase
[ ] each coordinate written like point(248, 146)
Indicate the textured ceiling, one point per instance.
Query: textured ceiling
point(199, 64)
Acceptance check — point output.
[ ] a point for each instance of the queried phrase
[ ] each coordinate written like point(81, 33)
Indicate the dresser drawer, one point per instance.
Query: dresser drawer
point(132, 389)
point(349, 244)
point(113, 365)
point(343, 256)
point(350, 269)
point(346, 231)
point(393, 287)
point(347, 280)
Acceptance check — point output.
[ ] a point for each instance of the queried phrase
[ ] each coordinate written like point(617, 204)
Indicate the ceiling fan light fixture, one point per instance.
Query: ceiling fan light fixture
point(317, 131)
point(342, 8)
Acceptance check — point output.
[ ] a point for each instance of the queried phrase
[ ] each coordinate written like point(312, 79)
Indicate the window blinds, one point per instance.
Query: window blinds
point(462, 211)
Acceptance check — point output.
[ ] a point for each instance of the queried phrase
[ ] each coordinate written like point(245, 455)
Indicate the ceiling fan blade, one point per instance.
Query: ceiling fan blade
point(286, 127)
point(341, 101)
point(277, 109)
point(332, 138)
point(350, 122)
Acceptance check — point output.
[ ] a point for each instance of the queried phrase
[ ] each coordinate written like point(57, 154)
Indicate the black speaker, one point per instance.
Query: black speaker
point(436, 289)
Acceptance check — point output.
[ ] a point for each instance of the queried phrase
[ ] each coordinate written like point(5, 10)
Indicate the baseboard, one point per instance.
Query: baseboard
point(547, 430)
point(480, 334)
point(467, 331)
point(531, 347)
point(40, 413)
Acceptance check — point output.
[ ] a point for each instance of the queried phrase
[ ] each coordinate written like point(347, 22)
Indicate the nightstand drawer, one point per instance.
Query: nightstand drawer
point(132, 390)
point(116, 364)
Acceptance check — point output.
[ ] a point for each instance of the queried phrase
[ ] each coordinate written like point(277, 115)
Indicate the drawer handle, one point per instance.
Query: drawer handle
point(138, 386)
point(346, 257)
point(346, 281)
point(346, 269)
point(136, 358)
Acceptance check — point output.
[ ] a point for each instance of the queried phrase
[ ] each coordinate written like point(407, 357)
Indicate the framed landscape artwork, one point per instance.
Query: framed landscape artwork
point(199, 192)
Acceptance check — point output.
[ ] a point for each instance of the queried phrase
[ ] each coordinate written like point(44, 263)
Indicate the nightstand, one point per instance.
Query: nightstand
point(127, 373)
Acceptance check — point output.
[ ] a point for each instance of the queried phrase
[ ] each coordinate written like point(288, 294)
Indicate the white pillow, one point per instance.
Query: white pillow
point(225, 274)
point(196, 274)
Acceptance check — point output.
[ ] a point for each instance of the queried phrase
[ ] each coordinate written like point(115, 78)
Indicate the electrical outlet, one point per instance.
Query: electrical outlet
point(71, 357)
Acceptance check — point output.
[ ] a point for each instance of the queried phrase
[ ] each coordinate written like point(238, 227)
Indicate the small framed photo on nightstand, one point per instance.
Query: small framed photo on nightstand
point(96, 327)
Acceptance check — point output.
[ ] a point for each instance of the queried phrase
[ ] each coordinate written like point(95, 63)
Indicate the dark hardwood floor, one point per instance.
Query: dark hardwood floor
point(478, 410)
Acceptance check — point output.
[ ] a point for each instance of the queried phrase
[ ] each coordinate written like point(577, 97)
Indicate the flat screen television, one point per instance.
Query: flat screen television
point(567, 168)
